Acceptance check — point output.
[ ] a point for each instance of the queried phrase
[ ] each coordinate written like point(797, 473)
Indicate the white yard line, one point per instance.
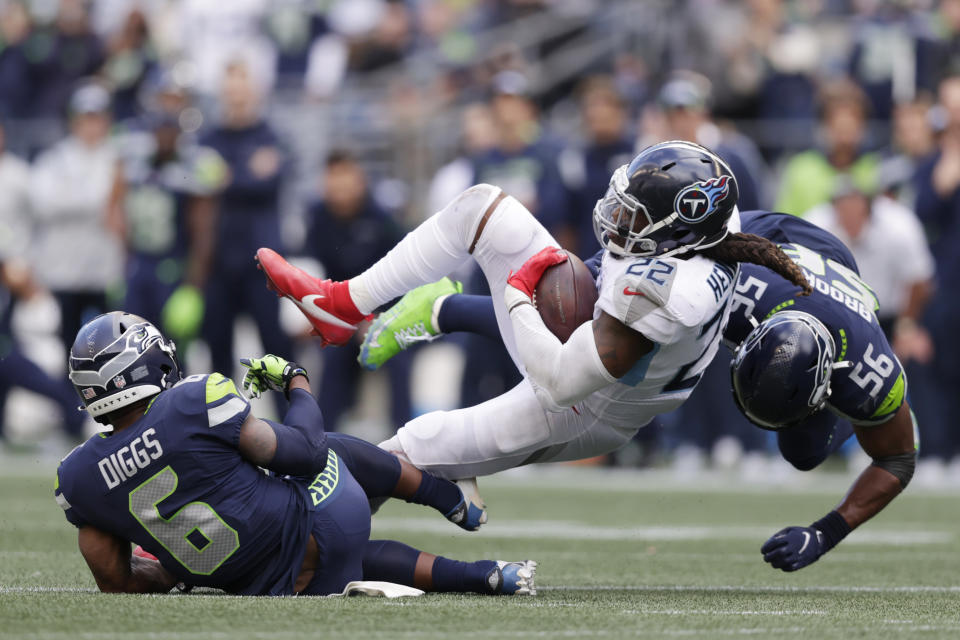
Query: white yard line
point(754, 589)
point(569, 530)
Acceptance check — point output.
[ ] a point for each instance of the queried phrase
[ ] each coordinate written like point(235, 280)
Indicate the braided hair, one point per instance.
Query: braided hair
point(749, 247)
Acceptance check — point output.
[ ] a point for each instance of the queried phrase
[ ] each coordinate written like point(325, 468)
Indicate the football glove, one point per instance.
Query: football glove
point(793, 548)
point(182, 313)
point(527, 277)
point(269, 373)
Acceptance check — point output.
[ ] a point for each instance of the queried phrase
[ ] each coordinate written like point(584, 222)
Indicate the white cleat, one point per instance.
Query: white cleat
point(517, 578)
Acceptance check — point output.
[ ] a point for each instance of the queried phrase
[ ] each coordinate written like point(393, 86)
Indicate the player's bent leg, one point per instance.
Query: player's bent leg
point(396, 562)
point(493, 436)
point(809, 443)
point(383, 475)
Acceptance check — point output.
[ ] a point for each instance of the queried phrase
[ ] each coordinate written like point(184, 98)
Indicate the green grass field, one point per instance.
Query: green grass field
point(621, 555)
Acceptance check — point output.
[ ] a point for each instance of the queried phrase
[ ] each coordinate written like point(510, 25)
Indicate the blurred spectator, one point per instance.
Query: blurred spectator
point(387, 43)
point(891, 250)
point(522, 162)
point(129, 63)
point(913, 140)
point(15, 85)
point(478, 136)
point(937, 184)
point(16, 369)
point(685, 101)
point(78, 253)
point(165, 193)
point(586, 169)
point(248, 218)
point(15, 219)
point(348, 232)
point(60, 56)
point(809, 177)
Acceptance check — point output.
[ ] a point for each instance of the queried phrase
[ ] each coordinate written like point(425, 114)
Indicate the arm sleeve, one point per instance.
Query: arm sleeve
point(562, 373)
point(301, 441)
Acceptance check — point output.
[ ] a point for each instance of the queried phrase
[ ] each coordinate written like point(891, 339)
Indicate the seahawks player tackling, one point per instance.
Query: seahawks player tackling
point(182, 475)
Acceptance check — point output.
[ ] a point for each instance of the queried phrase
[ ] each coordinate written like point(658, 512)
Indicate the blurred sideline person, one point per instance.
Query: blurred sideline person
point(181, 473)
point(18, 370)
point(347, 233)
point(803, 366)
point(667, 285)
point(248, 217)
point(808, 177)
point(937, 185)
point(685, 101)
point(586, 169)
point(892, 254)
point(78, 252)
point(165, 194)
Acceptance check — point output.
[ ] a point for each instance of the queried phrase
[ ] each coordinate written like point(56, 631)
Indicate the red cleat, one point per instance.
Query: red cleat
point(316, 298)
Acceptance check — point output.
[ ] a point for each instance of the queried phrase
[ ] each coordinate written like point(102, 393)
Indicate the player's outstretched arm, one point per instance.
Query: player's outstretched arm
point(892, 447)
point(595, 355)
point(116, 570)
point(298, 446)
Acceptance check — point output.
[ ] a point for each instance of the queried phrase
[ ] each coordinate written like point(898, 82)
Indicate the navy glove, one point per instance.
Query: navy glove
point(795, 547)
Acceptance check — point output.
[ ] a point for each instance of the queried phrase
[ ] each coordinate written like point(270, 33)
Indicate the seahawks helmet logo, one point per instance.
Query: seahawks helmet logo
point(696, 202)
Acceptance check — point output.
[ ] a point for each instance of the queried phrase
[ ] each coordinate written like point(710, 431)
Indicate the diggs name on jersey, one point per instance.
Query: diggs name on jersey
point(128, 460)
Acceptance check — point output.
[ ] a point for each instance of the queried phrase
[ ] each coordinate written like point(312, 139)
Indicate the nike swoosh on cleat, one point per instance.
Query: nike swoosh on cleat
point(627, 291)
point(308, 306)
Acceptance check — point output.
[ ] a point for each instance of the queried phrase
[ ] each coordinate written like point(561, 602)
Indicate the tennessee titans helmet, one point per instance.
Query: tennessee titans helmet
point(119, 359)
point(672, 198)
point(781, 372)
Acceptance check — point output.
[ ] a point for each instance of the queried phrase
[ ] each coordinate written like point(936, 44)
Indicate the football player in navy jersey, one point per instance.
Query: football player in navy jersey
point(805, 366)
point(182, 474)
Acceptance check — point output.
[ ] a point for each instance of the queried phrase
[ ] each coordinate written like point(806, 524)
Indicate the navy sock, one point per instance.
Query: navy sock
point(438, 493)
point(462, 312)
point(377, 471)
point(389, 561)
point(453, 575)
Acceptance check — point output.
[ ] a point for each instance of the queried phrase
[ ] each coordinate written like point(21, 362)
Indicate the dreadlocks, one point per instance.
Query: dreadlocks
point(749, 247)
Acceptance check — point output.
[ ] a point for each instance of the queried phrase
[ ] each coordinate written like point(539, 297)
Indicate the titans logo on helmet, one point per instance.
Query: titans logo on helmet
point(700, 199)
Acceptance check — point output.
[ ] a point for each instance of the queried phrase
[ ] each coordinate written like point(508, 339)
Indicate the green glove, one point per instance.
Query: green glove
point(269, 373)
point(183, 312)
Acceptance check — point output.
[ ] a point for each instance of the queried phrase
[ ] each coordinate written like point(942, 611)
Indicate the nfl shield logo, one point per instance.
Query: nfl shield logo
point(119, 382)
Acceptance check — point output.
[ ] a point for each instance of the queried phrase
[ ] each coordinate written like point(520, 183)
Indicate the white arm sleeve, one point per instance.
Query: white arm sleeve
point(562, 374)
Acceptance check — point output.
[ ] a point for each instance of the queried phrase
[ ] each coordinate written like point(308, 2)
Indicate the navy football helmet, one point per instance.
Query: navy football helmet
point(119, 359)
point(672, 198)
point(781, 372)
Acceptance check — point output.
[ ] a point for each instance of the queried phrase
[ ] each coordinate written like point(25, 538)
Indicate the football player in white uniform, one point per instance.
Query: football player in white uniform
point(665, 286)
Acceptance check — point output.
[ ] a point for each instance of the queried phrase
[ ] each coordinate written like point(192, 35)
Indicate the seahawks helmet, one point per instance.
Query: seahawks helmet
point(119, 359)
point(781, 372)
point(672, 198)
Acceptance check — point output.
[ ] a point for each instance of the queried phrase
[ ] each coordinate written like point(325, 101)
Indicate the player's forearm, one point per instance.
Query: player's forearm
point(563, 374)
point(302, 447)
point(872, 491)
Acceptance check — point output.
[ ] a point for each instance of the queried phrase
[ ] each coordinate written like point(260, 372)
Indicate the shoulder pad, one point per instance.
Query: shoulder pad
point(223, 400)
point(644, 287)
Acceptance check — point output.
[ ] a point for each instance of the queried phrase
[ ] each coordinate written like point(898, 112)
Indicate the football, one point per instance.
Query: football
point(565, 296)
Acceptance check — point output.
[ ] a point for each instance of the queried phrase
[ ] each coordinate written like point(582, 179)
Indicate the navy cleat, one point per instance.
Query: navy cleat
point(513, 578)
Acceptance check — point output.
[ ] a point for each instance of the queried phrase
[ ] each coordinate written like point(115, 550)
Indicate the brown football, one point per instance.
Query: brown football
point(565, 296)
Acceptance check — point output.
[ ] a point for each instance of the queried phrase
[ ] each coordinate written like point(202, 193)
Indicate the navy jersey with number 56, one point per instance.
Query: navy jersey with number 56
point(873, 387)
point(175, 483)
